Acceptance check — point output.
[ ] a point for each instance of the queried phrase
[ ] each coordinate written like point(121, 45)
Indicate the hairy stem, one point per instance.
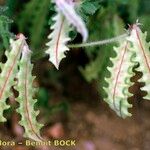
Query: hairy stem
point(97, 43)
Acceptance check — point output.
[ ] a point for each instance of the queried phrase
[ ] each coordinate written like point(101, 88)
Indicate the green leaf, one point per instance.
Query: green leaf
point(33, 18)
point(119, 81)
point(25, 98)
point(8, 73)
point(141, 47)
point(5, 34)
point(58, 39)
point(90, 7)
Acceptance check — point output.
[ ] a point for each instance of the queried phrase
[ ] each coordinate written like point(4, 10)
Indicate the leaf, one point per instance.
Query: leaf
point(68, 10)
point(90, 7)
point(119, 82)
point(8, 73)
point(141, 47)
point(5, 34)
point(58, 39)
point(3, 9)
point(25, 98)
point(36, 21)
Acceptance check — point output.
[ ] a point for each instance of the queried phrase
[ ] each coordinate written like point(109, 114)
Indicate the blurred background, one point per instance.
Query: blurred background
point(70, 100)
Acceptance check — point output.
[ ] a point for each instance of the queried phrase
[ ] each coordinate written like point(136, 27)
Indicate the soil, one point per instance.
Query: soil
point(98, 128)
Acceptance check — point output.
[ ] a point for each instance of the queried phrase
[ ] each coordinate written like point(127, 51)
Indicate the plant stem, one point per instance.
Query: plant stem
point(97, 43)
